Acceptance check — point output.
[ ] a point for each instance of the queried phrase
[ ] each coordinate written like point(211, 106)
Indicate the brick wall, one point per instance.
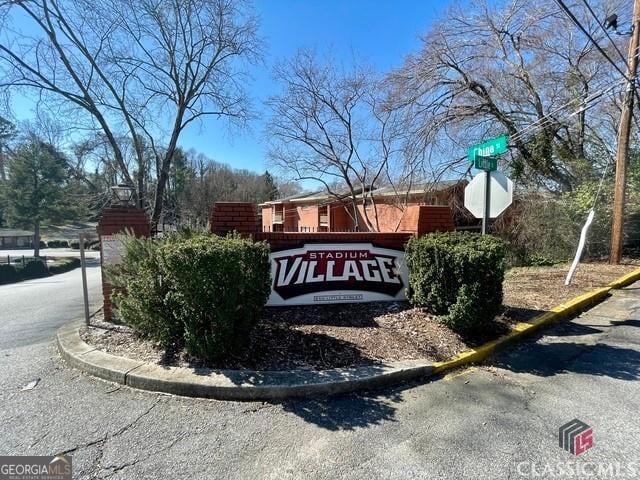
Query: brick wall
point(229, 216)
point(435, 219)
point(118, 220)
point(284, 240)
point(242, 217)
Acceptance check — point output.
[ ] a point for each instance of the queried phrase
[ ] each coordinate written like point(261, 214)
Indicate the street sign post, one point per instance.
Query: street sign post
point(489, 148)
point(484, 157)
point(488, 164)
point(488, 195)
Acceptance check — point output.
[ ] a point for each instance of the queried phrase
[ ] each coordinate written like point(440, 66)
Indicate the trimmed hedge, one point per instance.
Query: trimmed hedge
point(34, 269)
point(457, 275)
point(64, 265)
point(200, 290)
point(9, 274)
point(58, 244)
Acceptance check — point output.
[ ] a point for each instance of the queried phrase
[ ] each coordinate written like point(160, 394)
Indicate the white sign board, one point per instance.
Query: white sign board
point(112, 249)
point(501, 193)
point(337, 273)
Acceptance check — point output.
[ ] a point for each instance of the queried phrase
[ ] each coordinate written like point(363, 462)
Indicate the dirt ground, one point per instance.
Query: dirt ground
point(310, 337)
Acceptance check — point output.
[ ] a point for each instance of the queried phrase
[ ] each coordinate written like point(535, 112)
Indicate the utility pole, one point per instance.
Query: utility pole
point(623, 140)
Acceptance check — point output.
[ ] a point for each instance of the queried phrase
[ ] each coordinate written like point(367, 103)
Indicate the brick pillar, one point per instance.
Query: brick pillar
point(117, 220)
point(227, 217)
point(432, 218)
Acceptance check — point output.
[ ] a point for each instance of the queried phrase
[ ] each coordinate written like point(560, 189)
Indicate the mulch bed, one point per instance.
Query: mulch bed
point(332, 336)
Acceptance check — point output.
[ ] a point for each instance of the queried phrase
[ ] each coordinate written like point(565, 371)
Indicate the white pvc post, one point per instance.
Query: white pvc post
point(583, 239)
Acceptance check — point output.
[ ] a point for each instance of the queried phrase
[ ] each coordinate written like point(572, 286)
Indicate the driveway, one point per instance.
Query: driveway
point(492, 422)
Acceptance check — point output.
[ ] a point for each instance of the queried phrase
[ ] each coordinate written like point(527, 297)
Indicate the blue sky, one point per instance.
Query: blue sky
point(379, 32)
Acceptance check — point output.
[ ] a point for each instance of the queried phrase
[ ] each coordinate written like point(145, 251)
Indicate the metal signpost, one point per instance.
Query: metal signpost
point(85, 292)
point(490, 192)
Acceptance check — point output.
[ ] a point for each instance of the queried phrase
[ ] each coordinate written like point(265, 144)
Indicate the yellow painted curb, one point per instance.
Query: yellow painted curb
point(522, 329)
point(627, 279)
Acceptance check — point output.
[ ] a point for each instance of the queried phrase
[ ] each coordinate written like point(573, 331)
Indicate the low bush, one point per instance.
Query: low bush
point(64, 265)
point(540, 260)
point(75, 244)
point(34, 269)
point(457, 275)
point(58, 244)
point(205, 291)
point(9, 274)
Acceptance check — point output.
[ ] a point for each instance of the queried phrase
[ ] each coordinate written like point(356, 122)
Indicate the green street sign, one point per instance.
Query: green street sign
point(488, 164)
point(490, 148)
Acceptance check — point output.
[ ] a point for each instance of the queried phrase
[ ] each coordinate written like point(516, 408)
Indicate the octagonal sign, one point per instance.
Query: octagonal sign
point(501, 194)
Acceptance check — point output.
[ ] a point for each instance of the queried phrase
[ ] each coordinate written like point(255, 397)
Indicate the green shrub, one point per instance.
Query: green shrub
point(457, 275)
point(8, 274)
point(540, 260)
point(203, 290)
point(75, 244)
point(64, 265)
point(58, 244)
point(141, 292)
point(34, 269)
point(218, 289)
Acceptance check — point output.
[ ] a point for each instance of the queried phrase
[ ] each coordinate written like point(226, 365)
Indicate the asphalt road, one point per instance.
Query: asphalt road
point(31, 311)
point(489, 422)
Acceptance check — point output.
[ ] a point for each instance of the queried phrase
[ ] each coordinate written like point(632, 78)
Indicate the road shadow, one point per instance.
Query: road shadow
point(345, 412)
point(571, 329)
point(548, 359)
point(629, 323)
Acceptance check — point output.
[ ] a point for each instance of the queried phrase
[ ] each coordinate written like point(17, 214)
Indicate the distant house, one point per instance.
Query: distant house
point(389, 210)
point(15, 239)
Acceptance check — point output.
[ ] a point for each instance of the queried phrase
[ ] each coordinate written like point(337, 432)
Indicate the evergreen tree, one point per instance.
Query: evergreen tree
point(270, 188)
point(34, 192)
point(7, 132)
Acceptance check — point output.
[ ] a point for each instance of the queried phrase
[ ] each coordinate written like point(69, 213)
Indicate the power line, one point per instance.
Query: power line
point(606, 32)
point(542, 121)
point(570, 14)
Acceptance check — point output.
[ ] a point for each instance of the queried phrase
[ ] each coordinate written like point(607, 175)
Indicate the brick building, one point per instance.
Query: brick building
point(387, 210)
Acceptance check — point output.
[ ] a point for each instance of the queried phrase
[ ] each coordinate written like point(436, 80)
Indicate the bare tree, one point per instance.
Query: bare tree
point(500, 68)
point(330, 126)
point(144, 69)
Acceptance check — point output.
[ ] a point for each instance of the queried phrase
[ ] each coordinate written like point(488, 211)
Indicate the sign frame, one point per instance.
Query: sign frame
point(111, 249)
point(359, 273)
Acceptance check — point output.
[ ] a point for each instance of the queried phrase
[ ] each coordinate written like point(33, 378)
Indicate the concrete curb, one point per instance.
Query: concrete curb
point(262, 385)
point(231, 384)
